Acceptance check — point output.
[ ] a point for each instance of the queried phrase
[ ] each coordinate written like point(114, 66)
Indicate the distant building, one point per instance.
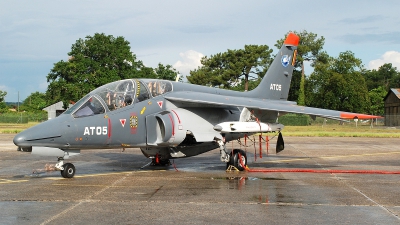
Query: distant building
point(392, 107)
point(55, 110)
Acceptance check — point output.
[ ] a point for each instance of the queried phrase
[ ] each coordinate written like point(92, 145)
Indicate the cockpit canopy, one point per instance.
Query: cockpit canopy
point(117, 95)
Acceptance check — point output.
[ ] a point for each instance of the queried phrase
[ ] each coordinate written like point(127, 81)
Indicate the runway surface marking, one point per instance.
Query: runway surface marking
point(5, 181)
point(98, 174)
point(86, 199)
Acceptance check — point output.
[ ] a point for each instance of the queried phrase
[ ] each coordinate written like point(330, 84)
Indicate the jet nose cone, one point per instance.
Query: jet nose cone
point(43, 134)
point(19, 139)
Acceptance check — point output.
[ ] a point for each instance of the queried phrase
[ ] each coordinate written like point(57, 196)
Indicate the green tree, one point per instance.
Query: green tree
point(301, 99)
point(3, 106)
point(93, 61)
point(34, 102)
point(338, 85)
point(376, 97)
point(227, 69)
point(241, 85)
point(309, 49)
point(2, 95)
point(166, 72)
point(386, 76)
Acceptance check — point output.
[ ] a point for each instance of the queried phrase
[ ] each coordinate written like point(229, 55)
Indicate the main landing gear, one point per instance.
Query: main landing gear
point(67, 169)
point(238, 160)
point(235, 159)
point(160, 161)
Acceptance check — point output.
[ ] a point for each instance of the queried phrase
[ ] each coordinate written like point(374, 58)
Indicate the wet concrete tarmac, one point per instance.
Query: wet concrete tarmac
point(111, 188)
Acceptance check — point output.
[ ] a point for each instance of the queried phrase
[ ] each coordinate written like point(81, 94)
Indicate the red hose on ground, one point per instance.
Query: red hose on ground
point(264, 170)
point(173, 163)
point(260, 143)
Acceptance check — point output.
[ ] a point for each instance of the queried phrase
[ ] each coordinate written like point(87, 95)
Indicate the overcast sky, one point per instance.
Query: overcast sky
point(36, 34)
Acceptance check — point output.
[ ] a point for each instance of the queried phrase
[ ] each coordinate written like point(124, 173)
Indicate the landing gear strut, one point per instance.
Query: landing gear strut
point(67, 170)
point(224, 155)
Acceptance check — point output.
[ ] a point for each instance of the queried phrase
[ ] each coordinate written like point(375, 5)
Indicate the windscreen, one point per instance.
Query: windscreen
point(91, 107)
point(117, 95)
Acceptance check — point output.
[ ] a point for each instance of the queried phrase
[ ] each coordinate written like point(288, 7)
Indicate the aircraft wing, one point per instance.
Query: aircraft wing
point(195, 99)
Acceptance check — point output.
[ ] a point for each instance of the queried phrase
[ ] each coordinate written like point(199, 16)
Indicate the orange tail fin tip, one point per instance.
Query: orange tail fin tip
point(292, 39)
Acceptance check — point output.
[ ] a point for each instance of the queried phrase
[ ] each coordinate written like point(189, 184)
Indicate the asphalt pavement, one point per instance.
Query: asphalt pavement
point(307, 183)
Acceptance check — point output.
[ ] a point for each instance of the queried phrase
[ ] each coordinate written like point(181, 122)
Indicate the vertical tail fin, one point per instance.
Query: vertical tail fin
point(276, 82)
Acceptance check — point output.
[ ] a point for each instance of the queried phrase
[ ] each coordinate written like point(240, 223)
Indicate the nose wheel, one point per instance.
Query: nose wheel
point(67, 169)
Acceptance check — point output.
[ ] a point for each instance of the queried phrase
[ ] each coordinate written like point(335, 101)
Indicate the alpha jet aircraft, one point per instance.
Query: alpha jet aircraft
point(168, 120)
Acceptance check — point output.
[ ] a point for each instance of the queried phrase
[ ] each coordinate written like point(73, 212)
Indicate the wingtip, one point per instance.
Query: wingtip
point(292, 39)
point(358, 116)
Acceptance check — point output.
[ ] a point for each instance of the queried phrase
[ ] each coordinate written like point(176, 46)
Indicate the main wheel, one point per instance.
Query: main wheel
point(69, 170)
point(238, 159)
point(165, 162)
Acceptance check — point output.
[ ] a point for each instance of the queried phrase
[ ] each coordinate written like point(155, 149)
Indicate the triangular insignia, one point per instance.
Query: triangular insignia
point(123, 121)
point(160, 103)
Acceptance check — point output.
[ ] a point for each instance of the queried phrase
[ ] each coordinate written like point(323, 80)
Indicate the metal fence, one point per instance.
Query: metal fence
point(13, 119)
point(22, 118)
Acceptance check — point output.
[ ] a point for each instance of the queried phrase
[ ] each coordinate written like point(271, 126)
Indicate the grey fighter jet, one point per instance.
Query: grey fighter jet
point(168, 120)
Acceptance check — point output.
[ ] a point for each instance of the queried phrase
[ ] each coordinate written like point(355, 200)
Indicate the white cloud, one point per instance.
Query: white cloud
point(190, 60)
point(392, 57)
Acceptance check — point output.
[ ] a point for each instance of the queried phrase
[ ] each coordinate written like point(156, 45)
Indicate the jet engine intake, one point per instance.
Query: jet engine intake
point(164, 129)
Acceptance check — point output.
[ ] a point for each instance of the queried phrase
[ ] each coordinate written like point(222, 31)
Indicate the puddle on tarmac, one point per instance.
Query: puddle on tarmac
point(245, 178)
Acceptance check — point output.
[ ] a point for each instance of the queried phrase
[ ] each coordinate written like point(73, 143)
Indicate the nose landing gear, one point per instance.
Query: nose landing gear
point(67, 170)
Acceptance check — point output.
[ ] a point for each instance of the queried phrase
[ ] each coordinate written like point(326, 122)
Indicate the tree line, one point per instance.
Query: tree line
point(338, 83)
point(92, 62)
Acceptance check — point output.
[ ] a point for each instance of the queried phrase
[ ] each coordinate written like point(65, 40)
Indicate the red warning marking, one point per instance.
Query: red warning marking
point(259, 140)
point(160, 103)
point(109, 127)
point(173, 125)
point(179, 120)
point(123, 121)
